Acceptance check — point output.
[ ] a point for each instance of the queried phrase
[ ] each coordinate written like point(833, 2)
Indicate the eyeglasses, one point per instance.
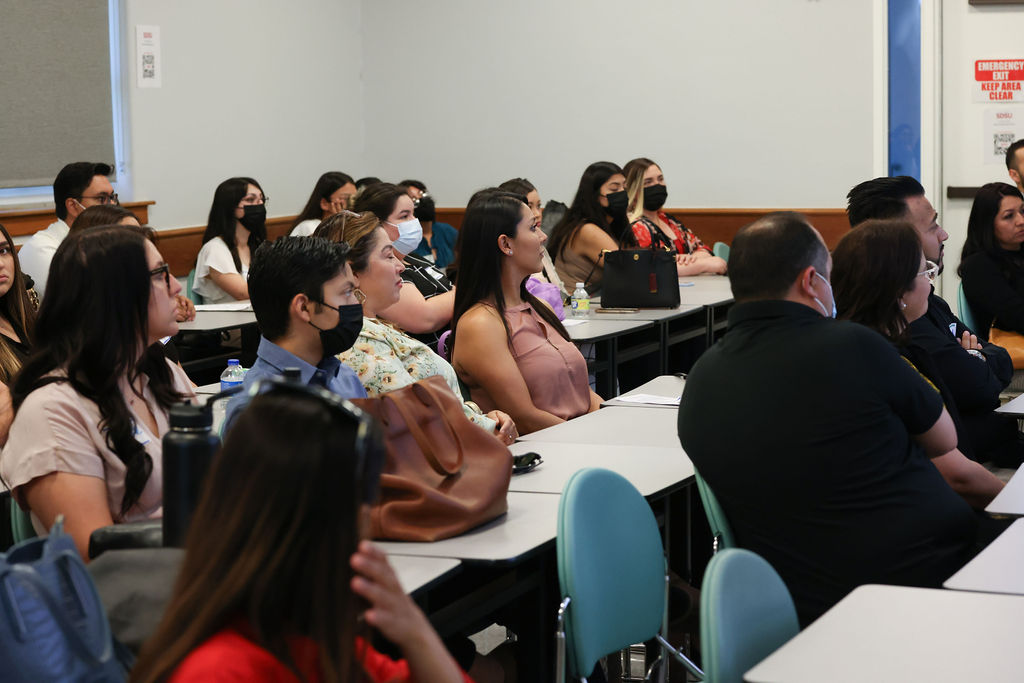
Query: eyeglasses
point(526, 462)
point(102, 198)
point(164, 270)
point(345, 215)
point(251, 199)
point(931, 271)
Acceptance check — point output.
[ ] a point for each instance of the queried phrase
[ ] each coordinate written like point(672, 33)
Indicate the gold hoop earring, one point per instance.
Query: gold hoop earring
point(360, 297)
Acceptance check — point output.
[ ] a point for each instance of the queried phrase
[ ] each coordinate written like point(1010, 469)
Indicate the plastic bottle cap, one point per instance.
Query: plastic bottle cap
point(233, 361)
point(579, 285)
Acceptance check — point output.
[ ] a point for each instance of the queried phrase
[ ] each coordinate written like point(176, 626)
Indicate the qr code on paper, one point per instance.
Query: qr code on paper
point(1000, 141)
point(149, 68)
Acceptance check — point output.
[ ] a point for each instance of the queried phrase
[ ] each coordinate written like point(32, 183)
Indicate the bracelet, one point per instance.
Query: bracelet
point(976, 353)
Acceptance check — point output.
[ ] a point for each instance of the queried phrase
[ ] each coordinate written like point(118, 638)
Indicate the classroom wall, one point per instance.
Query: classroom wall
point(256, 88)
point(743, 103)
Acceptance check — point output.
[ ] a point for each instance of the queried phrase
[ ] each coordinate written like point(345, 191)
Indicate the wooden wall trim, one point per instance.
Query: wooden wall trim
point(21, 222)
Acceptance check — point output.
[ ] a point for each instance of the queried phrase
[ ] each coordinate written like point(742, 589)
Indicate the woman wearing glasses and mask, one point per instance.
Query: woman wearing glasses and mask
point(236, 226)
point(881, 280)
point(425, 309)
point(91, 401)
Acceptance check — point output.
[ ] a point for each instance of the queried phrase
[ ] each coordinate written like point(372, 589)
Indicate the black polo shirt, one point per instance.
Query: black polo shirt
point(801, 425)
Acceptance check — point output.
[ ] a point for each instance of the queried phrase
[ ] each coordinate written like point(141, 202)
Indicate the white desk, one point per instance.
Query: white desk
point(999, 568)
point(705, 290)
point(1010, 501)
point(530, 523)
point(215, 321)
point(415, 573)
point(899, 634)
point(638, 427)
point(669, 386)
point(594, 329)
point(651, 470)
point(1013, 407)
point(652, 314)
point(606, 334)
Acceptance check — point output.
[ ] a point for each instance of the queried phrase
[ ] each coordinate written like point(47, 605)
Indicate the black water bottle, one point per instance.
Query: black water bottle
point(189, 446)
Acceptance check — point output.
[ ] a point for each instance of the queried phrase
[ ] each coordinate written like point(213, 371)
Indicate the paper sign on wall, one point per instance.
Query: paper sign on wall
point(999, 80)
point(147, 59)
point(1002, 128)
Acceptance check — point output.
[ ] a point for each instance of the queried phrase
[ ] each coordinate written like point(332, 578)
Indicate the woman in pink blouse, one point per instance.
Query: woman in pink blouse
point(654, 228)
point(91, 401)
point(508, 347)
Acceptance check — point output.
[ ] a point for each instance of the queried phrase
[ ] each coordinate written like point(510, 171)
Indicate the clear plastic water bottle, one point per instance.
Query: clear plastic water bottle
point(232, 376)
point(580, 302)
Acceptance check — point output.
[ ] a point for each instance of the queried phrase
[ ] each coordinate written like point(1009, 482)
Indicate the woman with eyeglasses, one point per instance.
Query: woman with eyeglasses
point(236, 226)
point(91, 401)
point(290, 595)
point(332, 194)
point(383, 357)
point(425, 309)
point(881, 280)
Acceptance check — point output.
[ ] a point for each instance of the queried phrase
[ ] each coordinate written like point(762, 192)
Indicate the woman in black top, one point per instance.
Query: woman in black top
point(991, 263)
point(423, 311)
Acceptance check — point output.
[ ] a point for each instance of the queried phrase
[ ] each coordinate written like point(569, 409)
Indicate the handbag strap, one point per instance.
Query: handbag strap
point(421, 438)
point(586, 281)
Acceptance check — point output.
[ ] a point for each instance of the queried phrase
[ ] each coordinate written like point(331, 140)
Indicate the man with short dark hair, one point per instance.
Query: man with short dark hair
point(303, 294)
point(973, 372)
point(1015, 163)
point(77, 186)
point(816, 436)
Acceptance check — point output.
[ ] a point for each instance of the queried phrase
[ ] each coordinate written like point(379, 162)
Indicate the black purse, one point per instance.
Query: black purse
point(639, 278)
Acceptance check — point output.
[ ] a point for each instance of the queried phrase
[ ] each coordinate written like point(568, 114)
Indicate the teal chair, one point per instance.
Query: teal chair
point(721, 250)
point(746, 613)
point(195, 298)
point(721, 532)
point(21, 523)
point(611, 598)
point(966, 315)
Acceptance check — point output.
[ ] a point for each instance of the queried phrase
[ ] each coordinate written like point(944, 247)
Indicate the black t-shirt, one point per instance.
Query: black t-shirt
point(802, 426)
point(430, 281)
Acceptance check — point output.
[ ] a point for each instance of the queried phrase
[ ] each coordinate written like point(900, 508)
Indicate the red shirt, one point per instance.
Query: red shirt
point(685, 242)
point(230, 656)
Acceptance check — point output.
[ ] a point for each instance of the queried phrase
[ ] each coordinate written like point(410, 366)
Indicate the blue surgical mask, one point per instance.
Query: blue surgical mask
point(410, 234)
point(829, 285)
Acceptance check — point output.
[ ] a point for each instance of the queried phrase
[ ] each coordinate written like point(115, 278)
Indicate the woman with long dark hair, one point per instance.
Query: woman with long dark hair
point(235, 227)
point(881, 280)
point(91, 401)
point(17, 325)
point(425, 309)
point(527, 189)
point(596, 222)
point(275, 576)
point(333, 193)
point(992, 263)
point(508, 346)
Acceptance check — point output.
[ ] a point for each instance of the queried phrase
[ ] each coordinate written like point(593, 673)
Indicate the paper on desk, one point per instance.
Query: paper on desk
point(230, 306)
point(569, 322)
point(651, 399)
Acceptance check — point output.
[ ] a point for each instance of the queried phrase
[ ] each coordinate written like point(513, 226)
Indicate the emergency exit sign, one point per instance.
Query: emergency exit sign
point(999, 80)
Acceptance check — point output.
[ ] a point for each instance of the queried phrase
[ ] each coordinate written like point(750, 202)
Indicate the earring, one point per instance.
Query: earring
point(903, 304)
point(360, 297)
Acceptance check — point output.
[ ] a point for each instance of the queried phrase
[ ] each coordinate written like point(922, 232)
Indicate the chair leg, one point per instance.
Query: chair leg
point(683, 659)
point(560, 641)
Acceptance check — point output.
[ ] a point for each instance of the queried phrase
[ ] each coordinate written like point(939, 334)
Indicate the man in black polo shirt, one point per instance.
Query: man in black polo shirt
point(815, 435)
point(972, 372)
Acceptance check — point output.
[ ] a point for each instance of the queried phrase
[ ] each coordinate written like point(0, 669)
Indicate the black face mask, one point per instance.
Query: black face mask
point(425, 210)
point(254, 219)
point(342, 336)
point(617, 203)
point(654, 197)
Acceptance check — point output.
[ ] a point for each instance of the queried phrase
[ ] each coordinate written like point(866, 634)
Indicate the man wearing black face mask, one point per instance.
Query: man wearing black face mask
point(303, 294)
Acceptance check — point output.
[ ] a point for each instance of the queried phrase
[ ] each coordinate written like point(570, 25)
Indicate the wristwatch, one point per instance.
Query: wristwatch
point(976, 353)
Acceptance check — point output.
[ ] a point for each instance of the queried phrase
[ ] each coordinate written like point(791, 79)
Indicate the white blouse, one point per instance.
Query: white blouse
point(214, 254)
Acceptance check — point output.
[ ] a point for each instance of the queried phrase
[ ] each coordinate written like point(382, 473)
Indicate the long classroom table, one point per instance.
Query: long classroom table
point(1010, 501)
point(997, 568)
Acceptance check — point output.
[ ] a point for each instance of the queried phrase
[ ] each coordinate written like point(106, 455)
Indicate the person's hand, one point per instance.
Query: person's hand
point(185, 311)
point(685, 259)
point(969, 342)
point(391, 611)
point(505, 430)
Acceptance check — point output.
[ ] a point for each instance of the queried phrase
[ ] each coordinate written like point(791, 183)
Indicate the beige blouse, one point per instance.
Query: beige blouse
point(56, 429)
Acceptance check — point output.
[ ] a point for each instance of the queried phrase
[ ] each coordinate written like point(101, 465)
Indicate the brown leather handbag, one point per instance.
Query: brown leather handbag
point(443, 474)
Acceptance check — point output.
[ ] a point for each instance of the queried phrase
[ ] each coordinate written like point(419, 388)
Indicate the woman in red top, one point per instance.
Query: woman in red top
point(275, 575)
point(652, 227)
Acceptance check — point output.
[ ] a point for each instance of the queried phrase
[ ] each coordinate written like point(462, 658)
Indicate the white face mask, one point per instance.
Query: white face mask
point(410, 234)
point(829, 285)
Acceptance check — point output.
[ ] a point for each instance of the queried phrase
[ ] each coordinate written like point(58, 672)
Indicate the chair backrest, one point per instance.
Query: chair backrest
point(721, 250)
point(746, 613)
point(196, 298)
point(611, 565)
point(966, 315)
point(720, 529)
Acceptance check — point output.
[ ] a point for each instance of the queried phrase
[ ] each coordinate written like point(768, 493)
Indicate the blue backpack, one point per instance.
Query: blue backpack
point(52, 624)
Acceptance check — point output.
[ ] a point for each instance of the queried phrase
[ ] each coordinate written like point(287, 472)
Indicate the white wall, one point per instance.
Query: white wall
point(256, 88)
point(743, 103)
point(968, 34)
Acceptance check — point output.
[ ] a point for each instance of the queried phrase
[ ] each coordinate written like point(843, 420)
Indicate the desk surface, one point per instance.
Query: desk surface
point(705, 290)
point(1013, 407)
point(895, 633)
point(529, 524)
point(1009, 501)
point(640, 427)
point(652, 314)
point(652, 471)
point(597, 328)
point(997, 568)
point(415, 573)
point(215, 321)
point(670, 386)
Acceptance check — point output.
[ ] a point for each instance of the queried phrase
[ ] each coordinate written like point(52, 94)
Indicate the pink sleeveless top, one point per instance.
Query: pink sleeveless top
point(553, 368)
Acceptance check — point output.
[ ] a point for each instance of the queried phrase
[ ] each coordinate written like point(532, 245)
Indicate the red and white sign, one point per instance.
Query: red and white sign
point(999, 80)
